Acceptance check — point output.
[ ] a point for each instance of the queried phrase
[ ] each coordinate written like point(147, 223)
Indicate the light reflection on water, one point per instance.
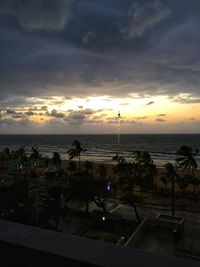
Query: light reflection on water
point(102, 148)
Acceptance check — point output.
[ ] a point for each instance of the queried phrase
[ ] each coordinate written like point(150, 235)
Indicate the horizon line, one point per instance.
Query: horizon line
point(99, 134)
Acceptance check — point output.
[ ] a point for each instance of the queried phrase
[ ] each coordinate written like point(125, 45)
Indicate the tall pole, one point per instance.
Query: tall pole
point(119, 126)
point(173, 195)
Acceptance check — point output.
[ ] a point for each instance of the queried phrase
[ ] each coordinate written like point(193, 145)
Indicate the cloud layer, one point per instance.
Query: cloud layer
point(81, 48)
point(145, 16)
point(147, 46)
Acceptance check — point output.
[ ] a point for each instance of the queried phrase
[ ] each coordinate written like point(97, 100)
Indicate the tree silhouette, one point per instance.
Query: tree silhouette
point(183, 182)
point(164, 179)
point(5, 154)
point(35, 158)
point(118, 158)
point(101, 171)
point(144, 169)
point(130, 200)
point(76, 151)
point(126, 180)
point(80, 187)
point(187, 161)
point(35, 154)
point(71, 167)
point(171, 174)
point(186, 158)
point(52, 206)
point(56, 160)
point(19, 155)
point(88, 165)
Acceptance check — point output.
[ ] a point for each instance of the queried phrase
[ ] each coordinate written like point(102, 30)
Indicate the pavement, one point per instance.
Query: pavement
point(192, 220)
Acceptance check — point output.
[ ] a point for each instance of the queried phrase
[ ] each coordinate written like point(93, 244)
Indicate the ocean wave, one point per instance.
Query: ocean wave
point(102, 148)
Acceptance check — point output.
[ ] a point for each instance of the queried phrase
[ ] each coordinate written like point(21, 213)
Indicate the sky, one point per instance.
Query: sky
point(69, 66)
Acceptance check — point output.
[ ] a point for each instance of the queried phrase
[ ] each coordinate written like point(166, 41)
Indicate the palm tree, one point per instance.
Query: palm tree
point(126, 180)
point(76, 151)
point(52, 206)
point(130, 199)
point(35, 157)
point(56, 160)
point(72, 167)
point(186, 159)
point(145, 170)
point(88, 165)
point(183, 182)
point(171, 174)
point(118, 158)
point(80, 187)
point(187, 162)
point(102, 171)
point(19, 155)
point(5, 154)
point(124, 171)
point(195, 182)
point(143, 158)
point(35, 153)
point(164, 180)
point(20, 161)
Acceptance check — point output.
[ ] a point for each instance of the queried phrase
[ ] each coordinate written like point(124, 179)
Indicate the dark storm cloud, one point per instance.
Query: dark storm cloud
point(125, 122)
point(141, 118)
point(18, 116)
point(32, 15)
point(30, 113)
point(89, 37)
point(124, 104)
point(150, 103)
point(160, 120)
point(72, 47)
point(162, 115)
point(76, 117)
point(187, 99)
point(81, 116)
point(10, 111)
point(192, 119)
point(44, 108)
point(54, 113)
point(34, 109)
point(15, 124)
point(144, 16)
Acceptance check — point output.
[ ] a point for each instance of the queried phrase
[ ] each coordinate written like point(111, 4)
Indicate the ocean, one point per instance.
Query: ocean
point(103, 147)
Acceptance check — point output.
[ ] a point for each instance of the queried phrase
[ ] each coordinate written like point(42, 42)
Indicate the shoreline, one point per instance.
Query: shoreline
point(102, 147)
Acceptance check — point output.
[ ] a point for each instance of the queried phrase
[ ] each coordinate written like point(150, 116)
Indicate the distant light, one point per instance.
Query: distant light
point(103, 218)
point(108, 186)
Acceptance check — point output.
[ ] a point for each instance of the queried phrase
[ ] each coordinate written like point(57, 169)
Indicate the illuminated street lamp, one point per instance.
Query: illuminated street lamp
point(108, 187)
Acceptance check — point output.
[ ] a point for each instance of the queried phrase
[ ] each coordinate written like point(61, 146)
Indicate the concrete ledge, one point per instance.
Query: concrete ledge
point(136, 235)
point(79, 250)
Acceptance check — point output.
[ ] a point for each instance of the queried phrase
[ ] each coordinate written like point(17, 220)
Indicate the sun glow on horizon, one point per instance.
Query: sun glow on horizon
point(146, 109)
point(148, 114)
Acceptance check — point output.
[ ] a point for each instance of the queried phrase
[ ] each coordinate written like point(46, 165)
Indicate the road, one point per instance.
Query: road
point(192, 220)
